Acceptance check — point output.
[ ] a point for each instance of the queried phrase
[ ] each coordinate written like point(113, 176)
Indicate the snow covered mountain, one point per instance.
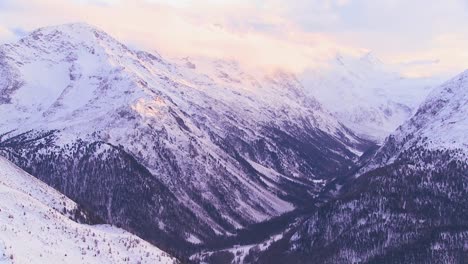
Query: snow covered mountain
point(177, 152)
point(407, 205)
point(365, 94)
point(440, 124)
point(36, 226)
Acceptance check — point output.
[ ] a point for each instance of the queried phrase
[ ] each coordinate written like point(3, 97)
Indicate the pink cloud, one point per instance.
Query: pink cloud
point(256, 33)
point(185, 32)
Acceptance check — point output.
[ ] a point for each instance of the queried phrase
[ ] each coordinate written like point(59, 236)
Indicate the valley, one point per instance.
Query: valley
point(204, 160)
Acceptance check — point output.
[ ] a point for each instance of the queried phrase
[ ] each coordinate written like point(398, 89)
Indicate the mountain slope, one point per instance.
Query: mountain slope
point(439, 124)
point(36, 226)
point(408, 205)
point(177, 152)
point(366, 95)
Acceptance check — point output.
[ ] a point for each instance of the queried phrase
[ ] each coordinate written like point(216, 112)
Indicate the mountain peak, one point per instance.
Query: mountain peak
point(439, 124)
point(71, 28)
point(66, 35)
point(370, 57)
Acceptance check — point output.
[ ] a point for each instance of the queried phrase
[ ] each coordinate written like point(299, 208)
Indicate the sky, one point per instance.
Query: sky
point(419, 38)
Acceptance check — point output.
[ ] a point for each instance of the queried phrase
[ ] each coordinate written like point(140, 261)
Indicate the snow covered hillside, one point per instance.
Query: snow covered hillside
point(367, 95)
point(177, 151)
point(190, 154)
point(440, 124)
point(36, 227)
point(407, 205)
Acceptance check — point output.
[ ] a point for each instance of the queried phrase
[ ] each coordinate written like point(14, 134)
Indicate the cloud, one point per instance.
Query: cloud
point(229, 30)
point(421, 62)
point(6, 34)
point(451, 51)
point(19, 32)
point(292, 34)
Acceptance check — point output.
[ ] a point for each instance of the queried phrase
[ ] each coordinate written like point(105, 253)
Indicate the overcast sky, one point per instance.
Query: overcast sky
point(420, 37)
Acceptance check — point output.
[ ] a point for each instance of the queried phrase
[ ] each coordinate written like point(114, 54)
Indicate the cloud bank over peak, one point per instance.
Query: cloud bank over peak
point(295, 35)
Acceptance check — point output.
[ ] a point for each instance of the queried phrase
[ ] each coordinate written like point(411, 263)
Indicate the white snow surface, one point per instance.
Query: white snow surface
point(365, 94)
point(441, 121)
point(71, 73)
point(240, 252)
point(439, 124)
point(77, 79)
point(67, 70)
point(35, 229)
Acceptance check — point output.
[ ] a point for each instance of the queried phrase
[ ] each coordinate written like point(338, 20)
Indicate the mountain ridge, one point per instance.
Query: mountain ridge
point(216, 149)
point(367, 95)
point(406, 205)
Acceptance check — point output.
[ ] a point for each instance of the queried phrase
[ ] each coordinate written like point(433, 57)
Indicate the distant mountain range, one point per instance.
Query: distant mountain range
point(407, 204)
point(210, 161)
point(179, 152)
point(366, 95)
